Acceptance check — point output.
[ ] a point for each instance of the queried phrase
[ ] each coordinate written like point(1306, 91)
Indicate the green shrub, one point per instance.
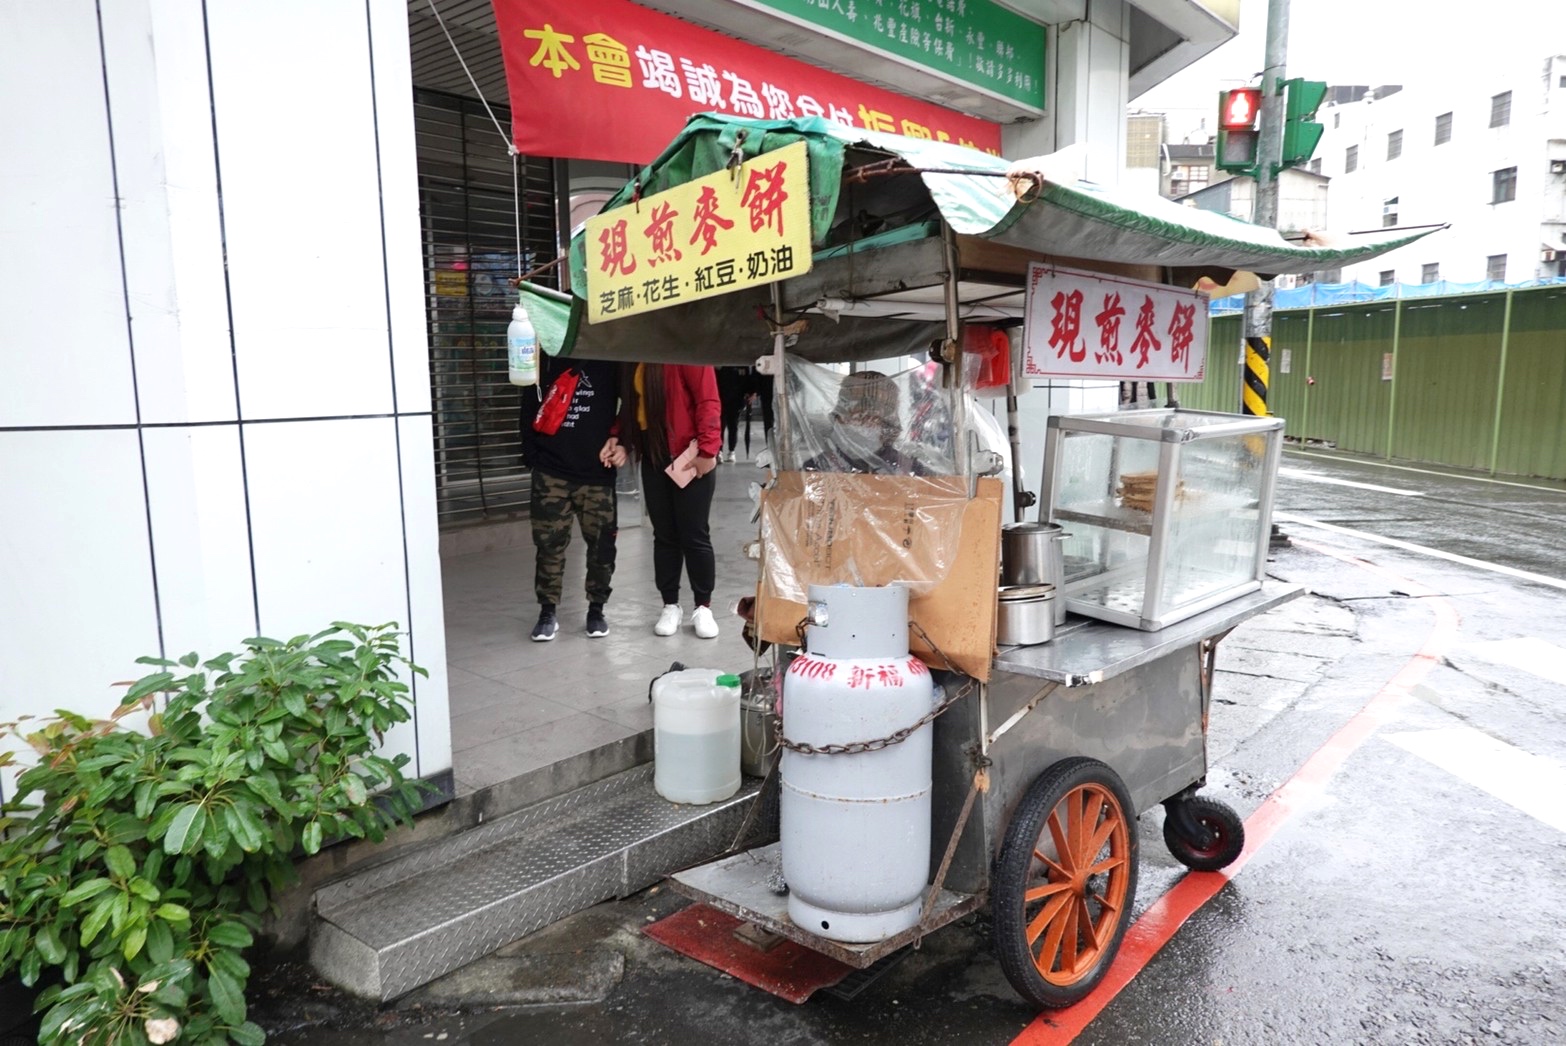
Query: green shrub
point(144, 857)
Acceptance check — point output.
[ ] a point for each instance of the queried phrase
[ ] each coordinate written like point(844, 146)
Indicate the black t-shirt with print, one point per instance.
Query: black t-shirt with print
point(572, 452)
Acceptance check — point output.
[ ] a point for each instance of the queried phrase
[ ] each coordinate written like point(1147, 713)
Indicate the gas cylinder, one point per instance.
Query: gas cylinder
point(855, 828)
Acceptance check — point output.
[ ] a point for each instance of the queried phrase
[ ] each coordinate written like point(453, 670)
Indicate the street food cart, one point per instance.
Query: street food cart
point(877, 247)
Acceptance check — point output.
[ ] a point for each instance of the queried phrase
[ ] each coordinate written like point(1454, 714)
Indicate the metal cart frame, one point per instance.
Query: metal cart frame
point(1134, 702)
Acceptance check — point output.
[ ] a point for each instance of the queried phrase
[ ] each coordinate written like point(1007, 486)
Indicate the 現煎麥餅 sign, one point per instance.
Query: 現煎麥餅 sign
point(611, 80)
point(1087, 325)
point(725, 232)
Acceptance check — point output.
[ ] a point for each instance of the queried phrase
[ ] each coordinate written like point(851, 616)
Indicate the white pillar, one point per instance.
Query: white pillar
point(194, 452)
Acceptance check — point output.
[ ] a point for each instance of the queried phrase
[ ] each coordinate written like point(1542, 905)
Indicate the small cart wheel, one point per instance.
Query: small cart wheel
point(1065, 882)
point(1223, 833)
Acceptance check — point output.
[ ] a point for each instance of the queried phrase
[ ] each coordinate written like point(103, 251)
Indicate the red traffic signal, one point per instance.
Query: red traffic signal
point(1239, 109)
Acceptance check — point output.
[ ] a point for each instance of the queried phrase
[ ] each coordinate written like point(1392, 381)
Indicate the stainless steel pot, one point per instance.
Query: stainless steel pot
point(758, 728)
point(1026, 616)
point(1031, 555)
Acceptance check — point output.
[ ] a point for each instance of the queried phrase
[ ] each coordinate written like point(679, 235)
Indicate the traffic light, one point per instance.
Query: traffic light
point(1300, 131)
point(1239, 113)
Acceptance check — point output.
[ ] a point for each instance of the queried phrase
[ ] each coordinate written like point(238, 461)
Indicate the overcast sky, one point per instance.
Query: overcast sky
point(1370, 42)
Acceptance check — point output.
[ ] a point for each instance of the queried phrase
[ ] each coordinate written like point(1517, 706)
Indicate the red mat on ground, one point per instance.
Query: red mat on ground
point(789, 970)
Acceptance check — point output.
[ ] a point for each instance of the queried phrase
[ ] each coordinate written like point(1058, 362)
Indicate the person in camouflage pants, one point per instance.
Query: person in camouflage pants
point(570, 440)
point(555, 504)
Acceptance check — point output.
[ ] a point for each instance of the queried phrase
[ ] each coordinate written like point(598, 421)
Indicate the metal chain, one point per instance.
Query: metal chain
point(895, 738)
point(859, 747)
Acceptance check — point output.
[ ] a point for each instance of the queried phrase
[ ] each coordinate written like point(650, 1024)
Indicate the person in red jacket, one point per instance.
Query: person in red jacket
point(673, 410)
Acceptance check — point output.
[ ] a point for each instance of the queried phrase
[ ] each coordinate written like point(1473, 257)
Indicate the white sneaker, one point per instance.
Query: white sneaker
point(669, 620)
point(704, 624)
point(729, 457)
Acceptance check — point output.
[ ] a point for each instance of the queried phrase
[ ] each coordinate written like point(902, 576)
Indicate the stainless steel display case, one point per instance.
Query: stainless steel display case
point(1169, 511)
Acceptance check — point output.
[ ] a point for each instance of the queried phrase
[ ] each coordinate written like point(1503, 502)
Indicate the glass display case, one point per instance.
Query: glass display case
point(1168, 511)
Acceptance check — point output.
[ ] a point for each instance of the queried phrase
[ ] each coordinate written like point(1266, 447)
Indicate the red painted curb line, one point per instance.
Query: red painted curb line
point(1163, 919)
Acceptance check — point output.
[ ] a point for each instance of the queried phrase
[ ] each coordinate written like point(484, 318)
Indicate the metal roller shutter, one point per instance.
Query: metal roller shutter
point(470, 252)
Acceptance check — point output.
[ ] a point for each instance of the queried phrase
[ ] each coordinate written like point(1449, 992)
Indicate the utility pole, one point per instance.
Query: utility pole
point(1269, 159)
point(1269, 151)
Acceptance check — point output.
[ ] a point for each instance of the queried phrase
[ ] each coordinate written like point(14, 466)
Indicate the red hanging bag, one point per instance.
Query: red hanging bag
point(556, 404)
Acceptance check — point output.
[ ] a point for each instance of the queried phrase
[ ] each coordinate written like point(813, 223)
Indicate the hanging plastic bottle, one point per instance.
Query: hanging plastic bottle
point(522, 348)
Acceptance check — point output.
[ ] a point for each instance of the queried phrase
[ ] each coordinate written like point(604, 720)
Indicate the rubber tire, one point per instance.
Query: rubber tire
point(1219, 819)
point(1012, 868)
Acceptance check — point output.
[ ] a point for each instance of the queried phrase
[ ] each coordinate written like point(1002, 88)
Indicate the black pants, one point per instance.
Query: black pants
point(731, 397)
point(680, 533)
point(761, 385)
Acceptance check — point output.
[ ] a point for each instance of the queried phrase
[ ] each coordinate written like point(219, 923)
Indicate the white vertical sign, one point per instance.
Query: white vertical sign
point(1088, 325)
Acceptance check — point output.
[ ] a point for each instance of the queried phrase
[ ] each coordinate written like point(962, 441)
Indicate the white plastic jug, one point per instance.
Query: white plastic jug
point(696, 735)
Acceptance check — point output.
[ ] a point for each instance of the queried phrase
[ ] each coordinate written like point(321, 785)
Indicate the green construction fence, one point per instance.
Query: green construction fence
point(1473, 381)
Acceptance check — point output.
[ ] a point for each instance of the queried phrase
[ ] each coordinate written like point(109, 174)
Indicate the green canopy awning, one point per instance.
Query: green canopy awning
point(1080, 220)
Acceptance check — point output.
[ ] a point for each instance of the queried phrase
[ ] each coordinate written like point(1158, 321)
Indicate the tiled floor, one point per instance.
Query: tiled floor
point(518, 705)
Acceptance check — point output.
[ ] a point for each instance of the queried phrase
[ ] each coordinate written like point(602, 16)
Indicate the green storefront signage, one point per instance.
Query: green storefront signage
point(974, 41)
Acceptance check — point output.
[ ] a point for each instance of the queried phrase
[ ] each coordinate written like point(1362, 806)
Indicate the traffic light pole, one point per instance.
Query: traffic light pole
point(1269, 150)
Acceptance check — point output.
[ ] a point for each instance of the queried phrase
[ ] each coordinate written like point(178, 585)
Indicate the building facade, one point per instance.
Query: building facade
point(288, 229)
point(1487, 156)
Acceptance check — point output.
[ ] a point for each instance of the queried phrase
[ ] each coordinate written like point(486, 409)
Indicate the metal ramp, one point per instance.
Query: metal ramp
point(387, 930)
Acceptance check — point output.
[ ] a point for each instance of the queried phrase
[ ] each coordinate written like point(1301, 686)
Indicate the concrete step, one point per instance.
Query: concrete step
point(387, 930)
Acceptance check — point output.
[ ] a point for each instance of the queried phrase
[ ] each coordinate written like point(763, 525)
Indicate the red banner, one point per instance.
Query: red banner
point(610, 80)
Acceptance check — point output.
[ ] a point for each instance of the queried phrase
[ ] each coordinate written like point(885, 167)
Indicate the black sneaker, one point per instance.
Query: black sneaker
point(597, 624)
point(547, 626)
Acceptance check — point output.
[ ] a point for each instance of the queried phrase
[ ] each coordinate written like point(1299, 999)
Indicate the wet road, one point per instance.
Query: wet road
point(1407, 878)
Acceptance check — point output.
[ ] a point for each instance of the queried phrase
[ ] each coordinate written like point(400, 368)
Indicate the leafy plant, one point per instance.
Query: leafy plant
point(147, 856)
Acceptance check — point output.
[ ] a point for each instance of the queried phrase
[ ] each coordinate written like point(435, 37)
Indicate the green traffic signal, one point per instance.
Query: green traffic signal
point(1300, 131)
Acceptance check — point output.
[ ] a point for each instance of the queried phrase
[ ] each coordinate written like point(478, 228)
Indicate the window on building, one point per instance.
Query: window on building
point(1501, 109)
point(1430, 273)
point(1503, 185)
point(1337, 120)
point(1394, 145)
point(1563, 82)
point(1315, 166)
point(1187, 178)
point(1351, 159)
point(1329, 276)
point(1389, 213)
point(1495, 268)
point(1388, 277)
point(1443, 128)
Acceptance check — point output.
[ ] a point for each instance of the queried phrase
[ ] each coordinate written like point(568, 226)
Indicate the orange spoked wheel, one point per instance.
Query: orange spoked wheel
point(1065, 882)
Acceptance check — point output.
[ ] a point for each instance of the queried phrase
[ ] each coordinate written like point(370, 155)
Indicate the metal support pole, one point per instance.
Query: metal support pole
point(1269, 152)
point(1397, 336)
point(1500, 385)
point(952, 352)
point(784, 449)
point(1310, 341)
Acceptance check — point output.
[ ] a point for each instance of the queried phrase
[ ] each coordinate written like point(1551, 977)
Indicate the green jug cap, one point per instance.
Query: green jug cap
point(729, 680)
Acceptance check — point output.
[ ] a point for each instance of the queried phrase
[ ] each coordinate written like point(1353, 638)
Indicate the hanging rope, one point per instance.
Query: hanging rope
point(511, 147)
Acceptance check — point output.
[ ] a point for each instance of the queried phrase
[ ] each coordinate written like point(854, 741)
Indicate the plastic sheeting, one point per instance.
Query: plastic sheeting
point(827, 525)
point(1317, 295)
point(868, 422)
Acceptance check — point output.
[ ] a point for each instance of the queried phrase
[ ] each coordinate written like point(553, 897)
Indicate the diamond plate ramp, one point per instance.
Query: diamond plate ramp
point(401, 925)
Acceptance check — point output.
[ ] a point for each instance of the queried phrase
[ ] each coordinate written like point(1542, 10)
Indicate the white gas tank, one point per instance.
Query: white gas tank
point(856, 827)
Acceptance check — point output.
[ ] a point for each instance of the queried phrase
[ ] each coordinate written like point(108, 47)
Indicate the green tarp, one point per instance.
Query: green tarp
point(1080, 220)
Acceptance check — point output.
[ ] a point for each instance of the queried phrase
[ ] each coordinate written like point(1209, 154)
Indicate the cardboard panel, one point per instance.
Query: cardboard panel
point(957, 612)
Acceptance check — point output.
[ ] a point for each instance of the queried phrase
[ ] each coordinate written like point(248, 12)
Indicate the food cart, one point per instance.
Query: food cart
point(1043, 756)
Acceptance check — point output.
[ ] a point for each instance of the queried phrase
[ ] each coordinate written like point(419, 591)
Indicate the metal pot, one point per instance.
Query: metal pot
point(758, 728)
point(1026, 615)
point(1031, 555)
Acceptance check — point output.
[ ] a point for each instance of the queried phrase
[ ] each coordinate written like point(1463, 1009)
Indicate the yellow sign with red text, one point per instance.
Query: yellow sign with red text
point(722, 233)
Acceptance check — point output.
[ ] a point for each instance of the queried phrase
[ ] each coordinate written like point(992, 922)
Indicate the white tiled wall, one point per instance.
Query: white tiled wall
point(169, 480)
